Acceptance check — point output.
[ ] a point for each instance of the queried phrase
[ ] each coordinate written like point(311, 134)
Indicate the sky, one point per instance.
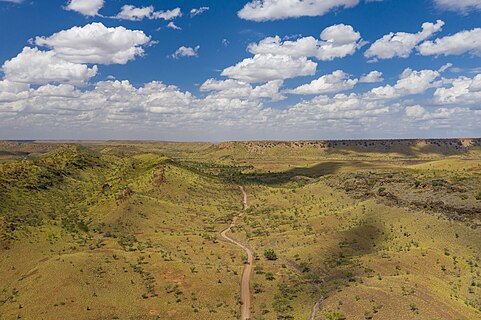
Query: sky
point(212, 70)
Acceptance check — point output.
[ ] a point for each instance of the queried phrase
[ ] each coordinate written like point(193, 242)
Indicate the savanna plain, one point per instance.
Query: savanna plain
point(374, 229)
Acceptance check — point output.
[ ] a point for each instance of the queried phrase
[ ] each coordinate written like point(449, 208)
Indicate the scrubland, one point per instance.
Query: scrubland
point(339, 230)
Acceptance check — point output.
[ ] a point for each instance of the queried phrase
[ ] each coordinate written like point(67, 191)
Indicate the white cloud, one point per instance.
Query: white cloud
point(445, 67)
point(167, 14)
point(12, 91)
point(267, 67)
point(173, 26)
point(275, 59)
point(410, 83)
point(416, 82)
point(61, 90)
point(198, 11)
point(95, 43)
point(468, 41)
point(372, 77)
point(463, 90)
point(462, 6)
point(117, 106)
point(132, 13)
point(186, 52)
point(336, 41)
point(341, 106)
point(436, 116)
point(415, 111)
point(234, 89)
point(263, 10)
point(85, 7)
point(33, 66)
point(401, 44)
point(117, 109)
point(330, 83)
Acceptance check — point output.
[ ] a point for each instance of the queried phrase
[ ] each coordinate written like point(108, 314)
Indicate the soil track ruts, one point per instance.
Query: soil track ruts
point(245, 295)
point(315, 309)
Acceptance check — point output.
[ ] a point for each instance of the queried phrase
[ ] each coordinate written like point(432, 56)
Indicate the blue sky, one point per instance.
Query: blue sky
point(304, 85)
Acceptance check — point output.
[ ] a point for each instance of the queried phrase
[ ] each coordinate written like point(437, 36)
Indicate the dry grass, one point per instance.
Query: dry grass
point(152, 248)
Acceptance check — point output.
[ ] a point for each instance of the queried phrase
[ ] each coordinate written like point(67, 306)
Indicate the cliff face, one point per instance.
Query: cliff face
point(428, 145)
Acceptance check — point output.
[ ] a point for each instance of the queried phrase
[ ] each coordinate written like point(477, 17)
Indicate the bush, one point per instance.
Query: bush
point(270, 254)
point(414, 308)
point(381, 191)
point(478, 196)
point(304, 267)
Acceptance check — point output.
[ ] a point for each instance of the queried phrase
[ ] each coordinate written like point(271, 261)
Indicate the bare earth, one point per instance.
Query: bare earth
point(246, 274)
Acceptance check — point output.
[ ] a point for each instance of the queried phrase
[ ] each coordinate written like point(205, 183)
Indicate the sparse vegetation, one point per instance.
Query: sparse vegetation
point(370, 235)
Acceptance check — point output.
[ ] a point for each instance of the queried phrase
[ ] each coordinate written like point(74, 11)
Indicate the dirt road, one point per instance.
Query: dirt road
point(315, 309)
point(245, 294)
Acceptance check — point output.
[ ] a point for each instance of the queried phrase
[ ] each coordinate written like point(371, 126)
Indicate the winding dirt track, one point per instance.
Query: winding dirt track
point(246, 274)
point(315, 309)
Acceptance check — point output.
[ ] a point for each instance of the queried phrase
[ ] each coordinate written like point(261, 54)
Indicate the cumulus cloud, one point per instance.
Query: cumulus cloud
point(372, 77)
point(438, 117)
point(467, 41)
point(118, 105)
point(331, 83)
point(341, 106)
point(416, 82)
point(12, 91)
point(234, 89)
point(410, 82)
point(263, 10)
point(198, 11)
point(95, 43)
point(118, 109)
point(463, 90)
point(186, 52)
point(336, 41)
point(462, 6)
point(415, 111)
point(267, 67)
point(85, 7)
point(132, 13)
point(401, 44)
point(275, 59)
point(33, 66)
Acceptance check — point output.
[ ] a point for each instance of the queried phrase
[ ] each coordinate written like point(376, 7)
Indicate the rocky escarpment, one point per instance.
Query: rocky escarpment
point(394, 145)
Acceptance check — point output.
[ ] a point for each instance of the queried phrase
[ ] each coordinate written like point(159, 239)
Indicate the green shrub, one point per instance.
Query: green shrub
point(335, 316)
point(304, 267)
point(270, 254)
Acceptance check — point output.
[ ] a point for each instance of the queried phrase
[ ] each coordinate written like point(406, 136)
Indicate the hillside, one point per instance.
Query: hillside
point(339, 230)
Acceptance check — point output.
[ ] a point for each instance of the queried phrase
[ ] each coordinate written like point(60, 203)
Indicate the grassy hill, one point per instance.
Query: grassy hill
point(340, 230)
